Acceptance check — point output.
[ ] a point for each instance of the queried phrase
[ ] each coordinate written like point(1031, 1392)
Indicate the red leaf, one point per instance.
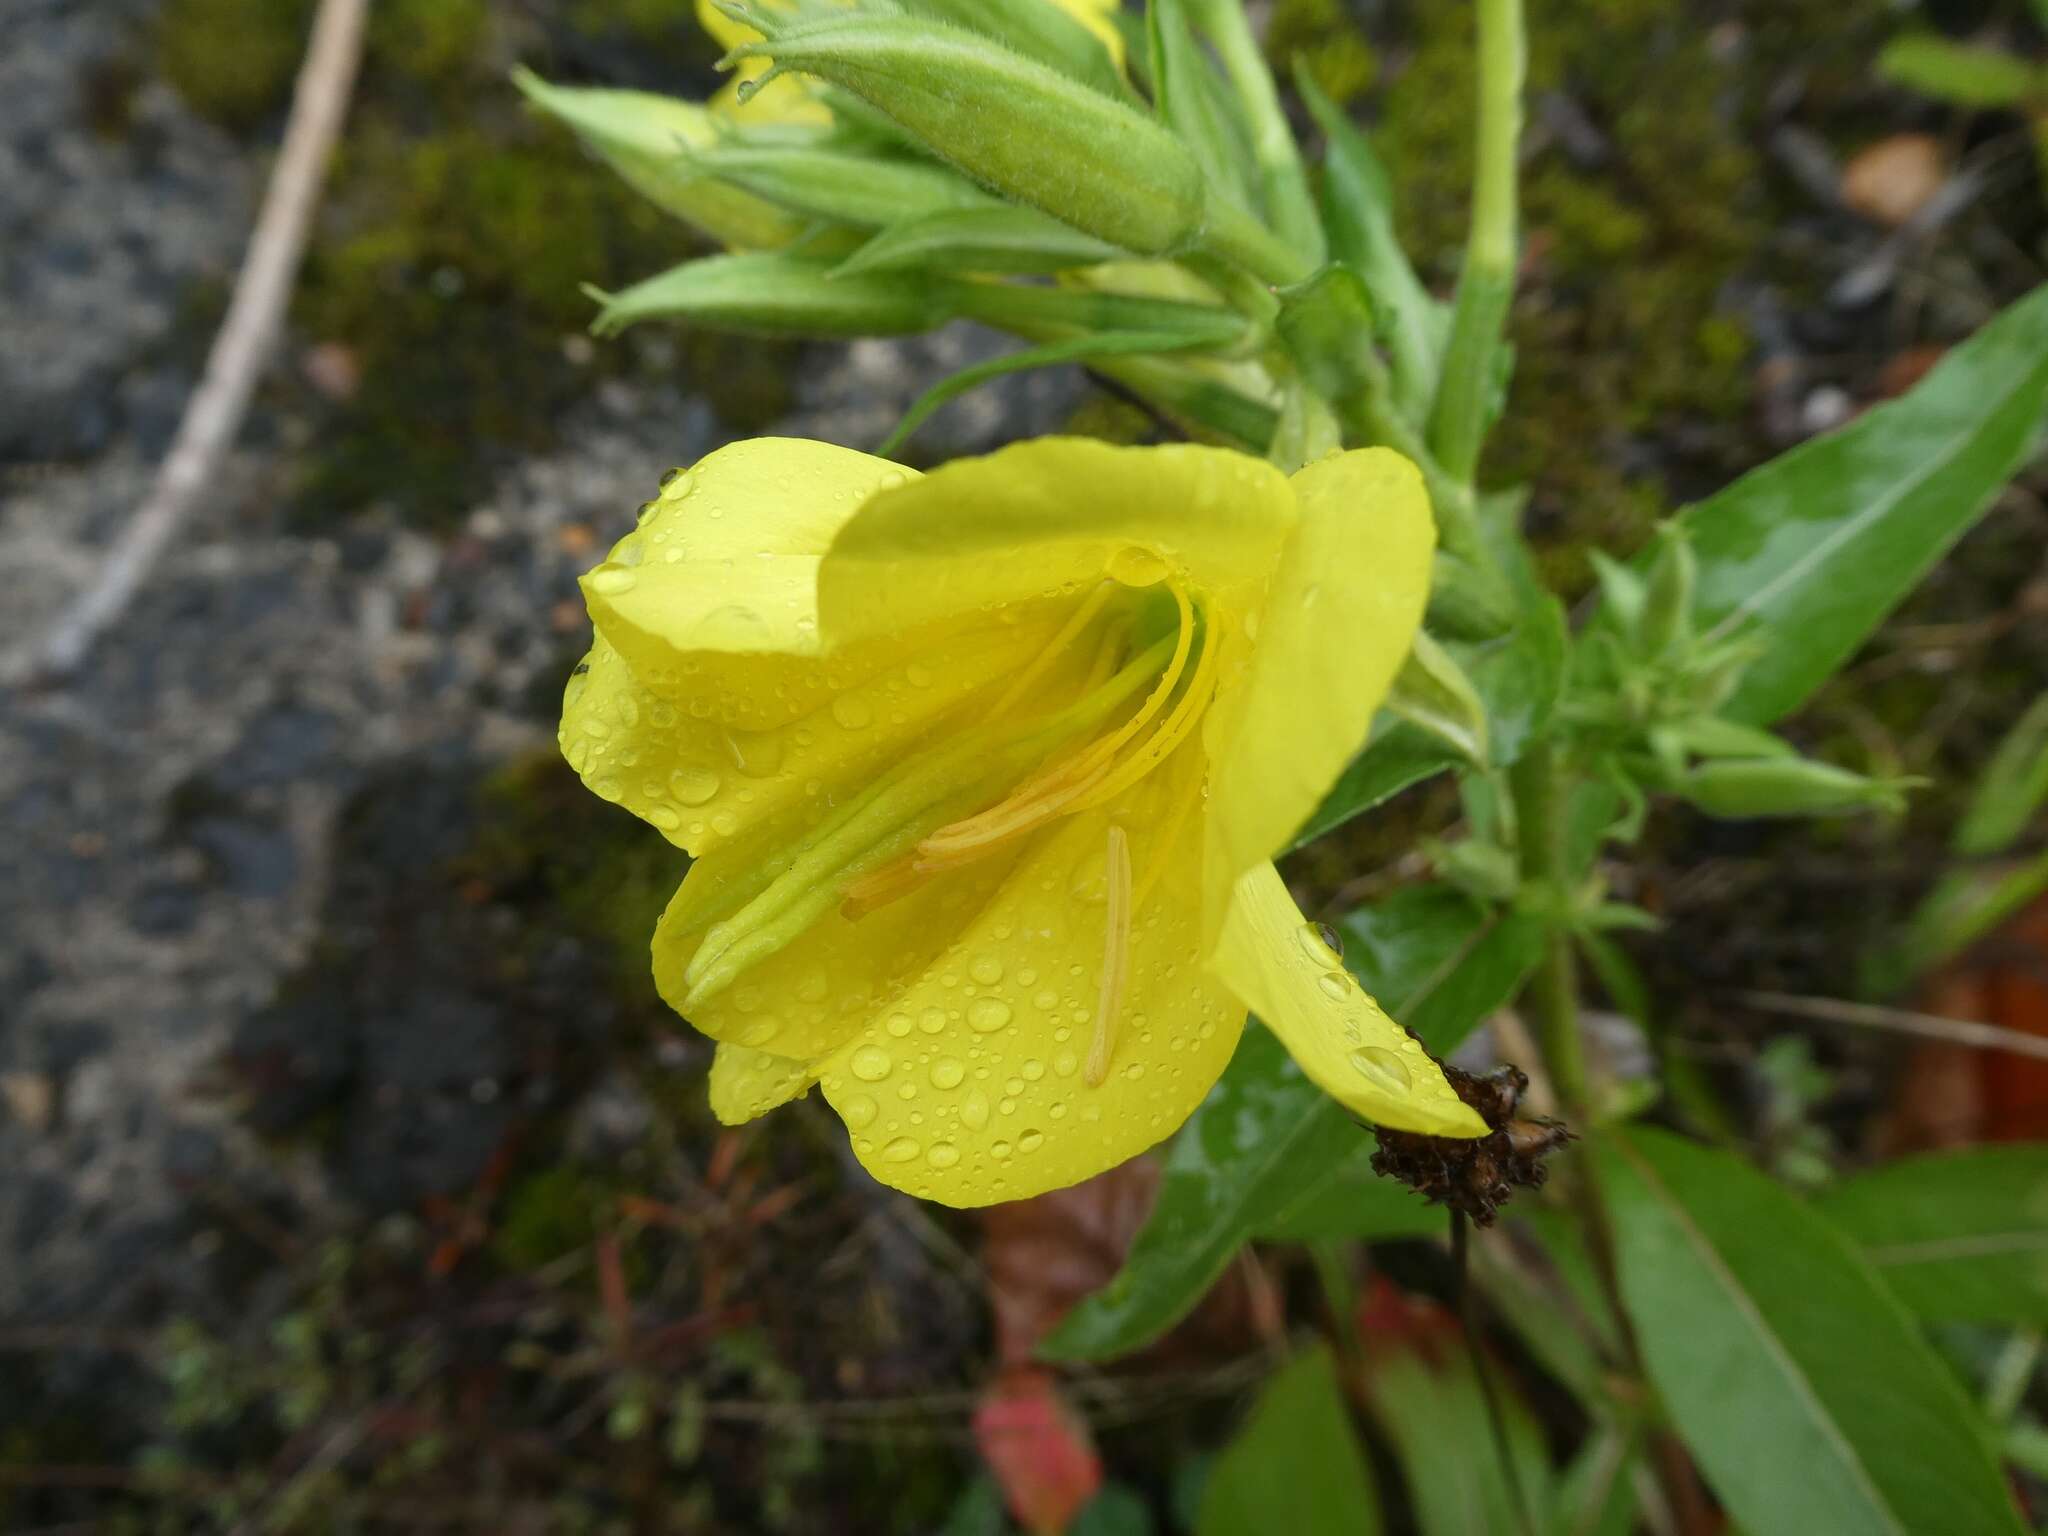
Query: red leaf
point(1039, 1449)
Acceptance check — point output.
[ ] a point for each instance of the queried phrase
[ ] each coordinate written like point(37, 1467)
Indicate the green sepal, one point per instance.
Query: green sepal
point(994, 239)
point(837, 185)
point(774, 294)
point(1431, 691)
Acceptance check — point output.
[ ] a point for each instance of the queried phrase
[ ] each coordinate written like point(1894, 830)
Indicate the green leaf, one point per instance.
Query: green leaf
point(1965, 905)
point(1358, 212)
point(1349, 1200)
point(2013, 787)
point(1800, 1384)
point(1432, 693)
point(1821, 543)
point(1597, 1494)
point(1966, 74)
point(1959, 1236)
point(773, 294)
point(1427, 1397)
point(979, 240)
point(1517, 676)
point(1296, 1465)
point(1193, 100)
point(1266, 1138)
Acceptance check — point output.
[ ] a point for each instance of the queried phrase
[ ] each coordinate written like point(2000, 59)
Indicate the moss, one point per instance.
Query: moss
point(1320, 37)
point(233, 61)
point(431, 41)
point(455, 285)
point(1621, 330)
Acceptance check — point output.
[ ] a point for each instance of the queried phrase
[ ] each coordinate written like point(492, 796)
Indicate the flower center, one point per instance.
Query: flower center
point(996, 782)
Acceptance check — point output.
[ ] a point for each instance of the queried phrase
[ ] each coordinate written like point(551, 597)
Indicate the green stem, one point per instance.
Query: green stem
point(1539, 792)
point(1457, 427)
point(1236, 236)
point(1283, 179)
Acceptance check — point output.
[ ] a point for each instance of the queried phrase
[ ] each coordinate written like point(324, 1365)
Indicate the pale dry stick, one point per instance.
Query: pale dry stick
point(255, 314)
point(1929, 1026)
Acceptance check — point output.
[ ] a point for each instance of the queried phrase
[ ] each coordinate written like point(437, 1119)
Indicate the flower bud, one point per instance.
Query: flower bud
point(837, 185)
point(1019, 127)
point(775, 294)
point(1666, 621)
point(646, 139)
point(1776, 786)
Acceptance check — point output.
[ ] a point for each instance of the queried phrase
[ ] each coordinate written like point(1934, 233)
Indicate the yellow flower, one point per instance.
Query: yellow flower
point(793, 99)
point(983, 772)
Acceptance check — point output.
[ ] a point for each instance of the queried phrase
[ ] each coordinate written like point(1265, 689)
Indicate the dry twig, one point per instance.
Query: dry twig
point(319, 104)
point(1929, 1026)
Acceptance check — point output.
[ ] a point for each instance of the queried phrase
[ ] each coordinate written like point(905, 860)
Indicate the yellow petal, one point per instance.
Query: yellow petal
point(756, 749)
point(746, 1084)
point(994, 1104)
point(727, 559)
point(1280, 969)
point(1095, 16)
point(1048, 515)
point(1342, 613)
point(837, 978)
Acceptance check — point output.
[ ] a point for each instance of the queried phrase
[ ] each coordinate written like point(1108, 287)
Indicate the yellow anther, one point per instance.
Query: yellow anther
point(1116, 957)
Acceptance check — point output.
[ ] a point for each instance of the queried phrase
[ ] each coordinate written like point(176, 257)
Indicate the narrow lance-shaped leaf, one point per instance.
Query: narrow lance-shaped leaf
point(1296, 1466)
point(1800, 1384)
point(1000, 240)
point(1821, 543)
point(1961, 1236)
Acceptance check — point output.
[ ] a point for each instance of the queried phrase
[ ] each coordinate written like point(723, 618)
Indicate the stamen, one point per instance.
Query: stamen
point(1050, 794)
point(1082, 616)
point(1116, 957)
point(1172, 731)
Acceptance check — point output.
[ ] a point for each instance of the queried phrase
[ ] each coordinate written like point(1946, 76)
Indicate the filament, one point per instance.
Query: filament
point(1116, 957)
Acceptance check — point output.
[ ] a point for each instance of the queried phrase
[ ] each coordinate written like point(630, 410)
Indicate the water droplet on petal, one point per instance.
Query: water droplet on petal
point(676, 484)
point(611, 580)
point(1321, 943)
point(858, 1112)
point(757, 754)
point(693, 786)
point(988, 1013)
point(1336, 985)
point(852, 713)
point(870, 1064)
point(947, 1072)
point(999, 1149)
point(1030, 1141)
point(1136, 566)
point(974, 1109)
point(932, 1020)
point(986, 969)
point(664, 818)
point(901, 1150)
point(1383, 1067)
point(898, 1024)
point(943, 1154)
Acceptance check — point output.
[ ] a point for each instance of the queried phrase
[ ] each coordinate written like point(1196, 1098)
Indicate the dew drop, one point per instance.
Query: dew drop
point(610, 579)
point(1047, 1000)
point(1135, 1071)
point(1321, 943)
point(1066, 1064)
point(1383, 1067)
point(627, 708)
point(932, 1020)
point(901, 1150)
point(986, 969)
point(676, 484)
point(858, 1112)
point(608, 788)
point(974, 1109)
point(1030, 1141)
point(693, 786)
point(724, 823)
point(898, 1024)
point(664, 818)
point(1335, 984)
point(999, 1149)
point(870, 1064)
point(988, 1013)
point(1136, 566)
point(943, 1154)
point(917, 676)
point(852, 713)
point(947, 1072)
point(646, 513)
point(1033, 1070)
